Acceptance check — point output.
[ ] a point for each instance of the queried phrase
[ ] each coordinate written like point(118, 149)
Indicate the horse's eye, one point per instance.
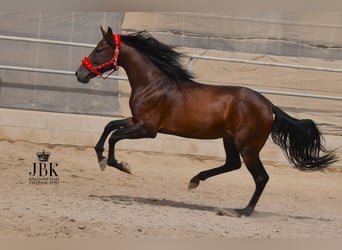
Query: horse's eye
point(98, 50)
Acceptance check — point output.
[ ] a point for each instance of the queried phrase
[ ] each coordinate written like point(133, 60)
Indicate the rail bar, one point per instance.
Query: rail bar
point(201, 57)
point(63, 72)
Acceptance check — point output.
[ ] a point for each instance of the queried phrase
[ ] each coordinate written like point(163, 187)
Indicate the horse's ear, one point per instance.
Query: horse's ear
point(104, 33)
point(109, 32)
point(108, 36)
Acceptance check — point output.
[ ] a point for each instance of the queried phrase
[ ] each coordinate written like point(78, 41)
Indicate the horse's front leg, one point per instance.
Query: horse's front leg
point(134, 132)
point(110, 127)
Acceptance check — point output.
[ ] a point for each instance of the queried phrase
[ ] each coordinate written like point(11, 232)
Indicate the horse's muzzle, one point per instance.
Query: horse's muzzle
point(82, 76)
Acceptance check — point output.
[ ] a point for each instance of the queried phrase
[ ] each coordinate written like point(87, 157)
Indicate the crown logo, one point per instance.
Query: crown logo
point(43, 156)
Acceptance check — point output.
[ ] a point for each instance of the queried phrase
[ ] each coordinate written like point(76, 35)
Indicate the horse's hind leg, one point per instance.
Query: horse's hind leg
point(232, 162)
point(110, 127)
point(260, 177)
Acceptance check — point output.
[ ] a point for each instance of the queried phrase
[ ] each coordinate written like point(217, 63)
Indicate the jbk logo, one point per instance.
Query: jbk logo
point(44, 172)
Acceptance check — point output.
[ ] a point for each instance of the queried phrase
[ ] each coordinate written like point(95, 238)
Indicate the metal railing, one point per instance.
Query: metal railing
point(190, 63)
point(262, 63)
point(46, 41)
point(192, 57)
point(50, 71)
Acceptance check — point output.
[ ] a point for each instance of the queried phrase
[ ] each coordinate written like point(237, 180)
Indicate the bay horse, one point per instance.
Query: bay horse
point(166, 99)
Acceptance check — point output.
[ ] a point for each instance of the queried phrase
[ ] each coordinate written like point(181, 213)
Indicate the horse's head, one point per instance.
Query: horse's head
point(102, 59)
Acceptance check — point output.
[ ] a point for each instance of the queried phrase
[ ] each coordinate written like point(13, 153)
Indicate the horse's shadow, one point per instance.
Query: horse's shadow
point(123, 199)
point(128, 200)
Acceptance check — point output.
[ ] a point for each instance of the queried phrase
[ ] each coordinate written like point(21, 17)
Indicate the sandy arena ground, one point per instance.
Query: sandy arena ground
point(154, 201)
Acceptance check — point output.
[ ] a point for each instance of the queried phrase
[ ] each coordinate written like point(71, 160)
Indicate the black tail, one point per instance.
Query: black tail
point(301, 141)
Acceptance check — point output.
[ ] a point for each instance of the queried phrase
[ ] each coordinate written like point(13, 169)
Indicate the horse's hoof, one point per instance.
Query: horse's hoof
point(193, 185)
point(103, 164)
point(243, 211)
point(194, 182)
point(124, 167)
point(227, 212)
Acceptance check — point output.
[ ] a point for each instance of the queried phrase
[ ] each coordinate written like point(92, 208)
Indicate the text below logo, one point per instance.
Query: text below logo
point(44, 172)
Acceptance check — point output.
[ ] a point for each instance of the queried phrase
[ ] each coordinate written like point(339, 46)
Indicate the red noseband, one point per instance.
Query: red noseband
point(114, 61)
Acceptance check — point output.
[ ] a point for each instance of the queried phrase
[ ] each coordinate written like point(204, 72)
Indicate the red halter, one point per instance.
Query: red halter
point(114, 61)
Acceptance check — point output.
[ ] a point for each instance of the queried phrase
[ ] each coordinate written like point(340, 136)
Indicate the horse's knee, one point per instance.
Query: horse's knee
point(98, 149)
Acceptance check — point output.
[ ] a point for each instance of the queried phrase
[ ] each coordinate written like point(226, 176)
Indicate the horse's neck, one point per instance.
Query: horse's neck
point(140, 71)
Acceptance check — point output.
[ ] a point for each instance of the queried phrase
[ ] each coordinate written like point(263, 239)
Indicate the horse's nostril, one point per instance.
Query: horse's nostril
point(76, 73)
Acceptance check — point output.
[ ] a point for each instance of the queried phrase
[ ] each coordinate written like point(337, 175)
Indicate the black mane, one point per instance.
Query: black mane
point(161, 55)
